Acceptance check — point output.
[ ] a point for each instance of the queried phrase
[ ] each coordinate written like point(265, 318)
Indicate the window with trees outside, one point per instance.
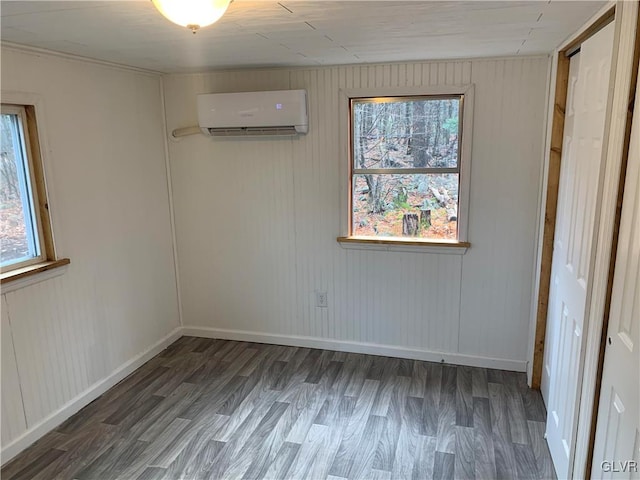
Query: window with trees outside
point(25, 234)
point(405, 167)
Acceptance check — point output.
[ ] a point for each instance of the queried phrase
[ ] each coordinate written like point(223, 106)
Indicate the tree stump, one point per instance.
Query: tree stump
point(452, 213)
point(425, 219)
point(410, 224)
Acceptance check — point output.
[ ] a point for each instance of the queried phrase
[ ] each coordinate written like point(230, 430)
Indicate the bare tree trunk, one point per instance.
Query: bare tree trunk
point(425, 219)
point(410, 224)
point(419, 140)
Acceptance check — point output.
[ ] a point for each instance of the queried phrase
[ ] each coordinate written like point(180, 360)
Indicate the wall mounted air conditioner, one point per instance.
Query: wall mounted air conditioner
point(282, 112)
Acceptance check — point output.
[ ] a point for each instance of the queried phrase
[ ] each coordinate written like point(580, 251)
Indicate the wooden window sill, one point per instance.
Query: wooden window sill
point(400, 244)
point(25, 276)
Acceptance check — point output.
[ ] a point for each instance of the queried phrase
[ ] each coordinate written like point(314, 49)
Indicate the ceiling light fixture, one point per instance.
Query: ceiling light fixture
point(193, 14)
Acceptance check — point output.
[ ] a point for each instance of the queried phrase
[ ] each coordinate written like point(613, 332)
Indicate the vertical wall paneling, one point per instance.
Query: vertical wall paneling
point(257, 219)
point(103, 150)
point(13, 421)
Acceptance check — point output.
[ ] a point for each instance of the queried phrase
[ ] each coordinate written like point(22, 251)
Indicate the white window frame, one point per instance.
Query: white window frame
point(458, 246)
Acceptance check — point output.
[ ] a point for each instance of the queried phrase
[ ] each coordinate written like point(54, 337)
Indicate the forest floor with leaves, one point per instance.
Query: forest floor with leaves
point(13, 237)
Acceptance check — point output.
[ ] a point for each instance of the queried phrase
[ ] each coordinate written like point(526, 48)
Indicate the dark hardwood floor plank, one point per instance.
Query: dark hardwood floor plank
point(217, 387)
point(196, 457)
point(388, 380)
point(404, 457)
point(377, 368)
point(314, 405)
point(413, 413)
point(380, 475)
point(131, 414)
point(155, 421)
point(281, 463)
point(113, 461)
point(465, 463)
point(271, 446)
point(80, 450)
point(292, 366)
point(386, 449)
point(431, 403)
point(204, 345)
point(266, 412)
point(479, 382)
point(525, 462)
point(540, 449)
point(359, 374)
point(361, 463)
point(156, 454)
point(32, 468)
point(501, 434)
point(485, 462)
point(444, 466)
point(354, 430)
point(495, 376)
point(446, 433)
point(338, 422)
point(405, 367)
point(318, 368)
point(464, 398)
point(513, 383)
point(418, 379)
point(241, 461)
point(129, 391)
point(309, 452)
point(424, 458)
point(533, 405)
point(152, 473)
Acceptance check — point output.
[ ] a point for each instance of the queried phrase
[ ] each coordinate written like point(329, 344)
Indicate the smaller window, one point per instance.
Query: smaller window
point(405, 167)
point(25, 231)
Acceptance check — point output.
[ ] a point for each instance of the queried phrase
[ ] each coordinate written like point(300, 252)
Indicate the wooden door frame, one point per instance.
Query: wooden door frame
point(553, 184)
point(618, 127)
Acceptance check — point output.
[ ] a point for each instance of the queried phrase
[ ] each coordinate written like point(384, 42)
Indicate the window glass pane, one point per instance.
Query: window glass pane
point(18, 234)
point(412, 205)
point(412, 133)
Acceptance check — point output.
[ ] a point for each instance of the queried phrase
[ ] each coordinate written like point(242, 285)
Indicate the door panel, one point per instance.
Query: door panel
point(573, 244)
point(617, 445)
point(567, 178)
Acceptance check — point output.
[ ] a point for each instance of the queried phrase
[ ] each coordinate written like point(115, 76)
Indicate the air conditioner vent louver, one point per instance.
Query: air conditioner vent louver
point(252, 131)
point(276, 113)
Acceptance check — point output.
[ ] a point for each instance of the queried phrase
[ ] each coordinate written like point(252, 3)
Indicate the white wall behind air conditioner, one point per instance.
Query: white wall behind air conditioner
point(65, 339)
point(257, 220)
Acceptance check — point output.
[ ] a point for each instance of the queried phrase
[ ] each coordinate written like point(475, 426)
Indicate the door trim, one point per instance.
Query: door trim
point(553, 184)
point(624, 65)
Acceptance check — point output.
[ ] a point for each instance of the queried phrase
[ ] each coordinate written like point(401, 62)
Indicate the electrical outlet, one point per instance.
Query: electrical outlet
point(321, 299)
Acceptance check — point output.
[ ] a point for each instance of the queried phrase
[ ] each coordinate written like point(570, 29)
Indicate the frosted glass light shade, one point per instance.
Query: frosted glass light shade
point(193, 14)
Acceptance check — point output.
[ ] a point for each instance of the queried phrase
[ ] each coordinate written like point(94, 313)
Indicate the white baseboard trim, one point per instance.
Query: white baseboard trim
point(74, 405)
point(357, 347)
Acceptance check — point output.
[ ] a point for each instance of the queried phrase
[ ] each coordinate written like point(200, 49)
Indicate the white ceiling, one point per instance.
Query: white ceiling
point(294, 33)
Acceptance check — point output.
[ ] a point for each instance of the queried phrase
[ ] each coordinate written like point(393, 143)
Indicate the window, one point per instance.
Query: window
point(407, 160)
point(25, 231)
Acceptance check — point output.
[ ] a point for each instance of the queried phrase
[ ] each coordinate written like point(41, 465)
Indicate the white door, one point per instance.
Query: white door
point(573, 244)
point(617, 446)
point(567, 173)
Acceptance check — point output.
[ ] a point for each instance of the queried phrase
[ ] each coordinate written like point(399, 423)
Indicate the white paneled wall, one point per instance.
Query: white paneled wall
point(13, 421)
point(257, 221)
point(67, 338)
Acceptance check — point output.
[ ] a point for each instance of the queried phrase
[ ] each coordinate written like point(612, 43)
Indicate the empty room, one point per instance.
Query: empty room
point(320, 239)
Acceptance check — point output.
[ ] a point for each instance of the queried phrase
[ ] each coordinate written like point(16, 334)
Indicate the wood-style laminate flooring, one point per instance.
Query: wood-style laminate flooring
point(234, 410)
